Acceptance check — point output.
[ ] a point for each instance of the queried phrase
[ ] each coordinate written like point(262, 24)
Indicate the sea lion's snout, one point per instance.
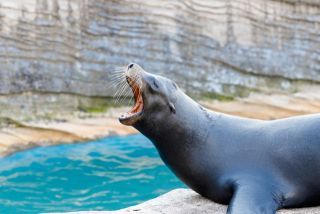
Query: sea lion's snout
point(130, 65)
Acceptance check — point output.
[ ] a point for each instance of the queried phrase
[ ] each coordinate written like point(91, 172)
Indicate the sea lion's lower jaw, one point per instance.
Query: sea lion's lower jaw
point(130, 118)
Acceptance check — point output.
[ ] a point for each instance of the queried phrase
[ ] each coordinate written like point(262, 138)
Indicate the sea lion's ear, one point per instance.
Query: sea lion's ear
point(172, 108)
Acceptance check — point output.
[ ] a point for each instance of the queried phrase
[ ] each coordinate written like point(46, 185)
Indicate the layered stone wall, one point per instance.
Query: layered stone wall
point(221, 46)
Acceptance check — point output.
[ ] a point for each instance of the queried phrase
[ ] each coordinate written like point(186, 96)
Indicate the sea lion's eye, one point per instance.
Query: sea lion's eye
point(155, 83)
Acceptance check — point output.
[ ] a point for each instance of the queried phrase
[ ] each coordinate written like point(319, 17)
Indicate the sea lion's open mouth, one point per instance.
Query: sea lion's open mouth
point(131, 116)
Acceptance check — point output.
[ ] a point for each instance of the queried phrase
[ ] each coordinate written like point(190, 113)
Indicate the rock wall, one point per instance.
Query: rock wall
point(226, 47)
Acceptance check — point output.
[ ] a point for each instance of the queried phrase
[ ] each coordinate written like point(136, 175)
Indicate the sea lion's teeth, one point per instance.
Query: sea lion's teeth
point(125, 115)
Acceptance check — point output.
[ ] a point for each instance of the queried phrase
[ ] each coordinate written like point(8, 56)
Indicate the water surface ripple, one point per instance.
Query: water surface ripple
point(106, 174)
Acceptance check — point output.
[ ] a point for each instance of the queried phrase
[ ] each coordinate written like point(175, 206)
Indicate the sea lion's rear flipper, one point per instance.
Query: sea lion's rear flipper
point(254, 199)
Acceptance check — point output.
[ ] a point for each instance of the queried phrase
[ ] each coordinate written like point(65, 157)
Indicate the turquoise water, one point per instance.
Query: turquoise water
point(107, 174)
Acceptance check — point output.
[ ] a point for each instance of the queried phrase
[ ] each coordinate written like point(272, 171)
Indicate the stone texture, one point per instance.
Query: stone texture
point(34, 105)
point(68, 47)
point(185, 201)
point(219, 46)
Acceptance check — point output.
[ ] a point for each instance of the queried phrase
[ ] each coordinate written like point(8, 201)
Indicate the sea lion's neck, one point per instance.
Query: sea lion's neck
point(182, 136)
point(177, 132)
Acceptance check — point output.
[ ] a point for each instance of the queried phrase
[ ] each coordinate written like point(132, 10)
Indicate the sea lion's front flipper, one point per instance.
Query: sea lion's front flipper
point(254, 199)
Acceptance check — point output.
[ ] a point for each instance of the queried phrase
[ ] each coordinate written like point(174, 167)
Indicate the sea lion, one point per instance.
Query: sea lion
point(254, 166)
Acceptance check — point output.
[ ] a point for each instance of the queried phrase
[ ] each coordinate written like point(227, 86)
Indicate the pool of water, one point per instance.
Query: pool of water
point(106, 174)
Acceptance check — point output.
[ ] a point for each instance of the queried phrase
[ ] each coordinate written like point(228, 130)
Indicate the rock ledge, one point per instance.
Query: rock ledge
point(185, 201)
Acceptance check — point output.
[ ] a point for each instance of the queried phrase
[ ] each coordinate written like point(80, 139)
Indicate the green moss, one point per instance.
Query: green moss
point(97, 105)
point(238, 90)
point(215, 96)
point(6, 121)
point(96, 109)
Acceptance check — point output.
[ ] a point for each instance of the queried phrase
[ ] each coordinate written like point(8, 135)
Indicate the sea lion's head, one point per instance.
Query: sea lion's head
point(154, 96)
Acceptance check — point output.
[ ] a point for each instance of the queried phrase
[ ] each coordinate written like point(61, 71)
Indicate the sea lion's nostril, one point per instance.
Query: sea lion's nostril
point(131, 65)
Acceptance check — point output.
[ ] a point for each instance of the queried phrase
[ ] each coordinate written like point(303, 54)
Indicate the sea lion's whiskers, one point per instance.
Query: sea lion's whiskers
point(114, 83)
point(117, 73)
point(120, 87)
point(117, 82)
point(118, 70)
point(125, 96)
point(136, 78)
point(122, 90)
point(120, 77)
point(117, 76)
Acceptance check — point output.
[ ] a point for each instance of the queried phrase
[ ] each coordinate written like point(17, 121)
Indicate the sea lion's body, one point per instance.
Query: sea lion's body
point(257, 166)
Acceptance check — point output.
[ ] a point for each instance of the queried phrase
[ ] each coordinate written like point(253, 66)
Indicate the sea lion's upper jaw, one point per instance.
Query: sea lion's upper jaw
point(131, 117)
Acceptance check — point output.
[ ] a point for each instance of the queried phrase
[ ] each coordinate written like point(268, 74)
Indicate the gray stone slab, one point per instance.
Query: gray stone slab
point(185, 201)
